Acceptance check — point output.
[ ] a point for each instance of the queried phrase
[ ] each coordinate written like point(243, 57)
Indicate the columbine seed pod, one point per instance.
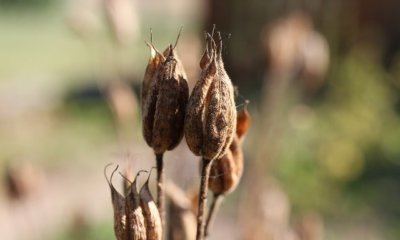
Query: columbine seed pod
point(165, 105)
point(210, 119)
point(151, 215)
point(226, 172)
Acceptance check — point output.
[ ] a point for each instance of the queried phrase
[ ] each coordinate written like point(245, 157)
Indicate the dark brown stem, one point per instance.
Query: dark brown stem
point(160, 185)
point(205, 174)
point(212, 213)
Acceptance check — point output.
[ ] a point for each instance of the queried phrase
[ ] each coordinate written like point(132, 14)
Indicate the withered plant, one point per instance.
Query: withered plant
point(210, 120)
point(213, 130)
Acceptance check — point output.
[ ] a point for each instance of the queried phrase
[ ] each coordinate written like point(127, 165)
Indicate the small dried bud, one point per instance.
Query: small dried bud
point(164, 103)
point(151, 215)
point(210, 119)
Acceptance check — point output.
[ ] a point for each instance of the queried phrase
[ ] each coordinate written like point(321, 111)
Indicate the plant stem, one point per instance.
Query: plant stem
point(212, 213)
point(205, 173)
point(160, 186)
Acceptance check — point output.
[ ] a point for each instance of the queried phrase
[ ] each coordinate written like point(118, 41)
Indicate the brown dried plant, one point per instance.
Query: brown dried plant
point(165, 94)
point(212, 128)
point(210, 120)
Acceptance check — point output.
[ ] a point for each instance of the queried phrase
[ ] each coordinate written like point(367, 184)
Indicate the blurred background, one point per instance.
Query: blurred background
point(322, 157)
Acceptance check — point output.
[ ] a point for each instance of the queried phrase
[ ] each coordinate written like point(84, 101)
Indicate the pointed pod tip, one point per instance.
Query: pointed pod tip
point(109, 180)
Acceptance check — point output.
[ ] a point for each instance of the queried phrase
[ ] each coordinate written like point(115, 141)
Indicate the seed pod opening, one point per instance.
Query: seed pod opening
point(151, 215)
point(210, 120)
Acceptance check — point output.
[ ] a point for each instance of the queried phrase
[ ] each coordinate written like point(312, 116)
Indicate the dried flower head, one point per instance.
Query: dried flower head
point(210, 119)
point(164, 97)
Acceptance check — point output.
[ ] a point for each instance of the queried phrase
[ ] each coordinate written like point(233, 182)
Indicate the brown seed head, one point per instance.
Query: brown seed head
point(210, 120)
point(164, 104)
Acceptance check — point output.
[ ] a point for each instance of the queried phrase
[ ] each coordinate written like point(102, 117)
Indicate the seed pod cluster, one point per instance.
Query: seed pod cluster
point(135, 215)
point(210, 119)
point(165, 94)
point(227, 171)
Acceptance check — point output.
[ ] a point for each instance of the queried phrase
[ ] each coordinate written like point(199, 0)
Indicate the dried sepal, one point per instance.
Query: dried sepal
point(211, 114)
point(150, 212)
point(118, 202)
point(165, 104)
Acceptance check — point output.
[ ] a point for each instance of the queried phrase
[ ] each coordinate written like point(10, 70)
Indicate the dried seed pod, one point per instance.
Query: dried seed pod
point(151, 215)
point(135, 219)
point(165, 105)
point(118, 202)
point(210, 120)
point(227, 171)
